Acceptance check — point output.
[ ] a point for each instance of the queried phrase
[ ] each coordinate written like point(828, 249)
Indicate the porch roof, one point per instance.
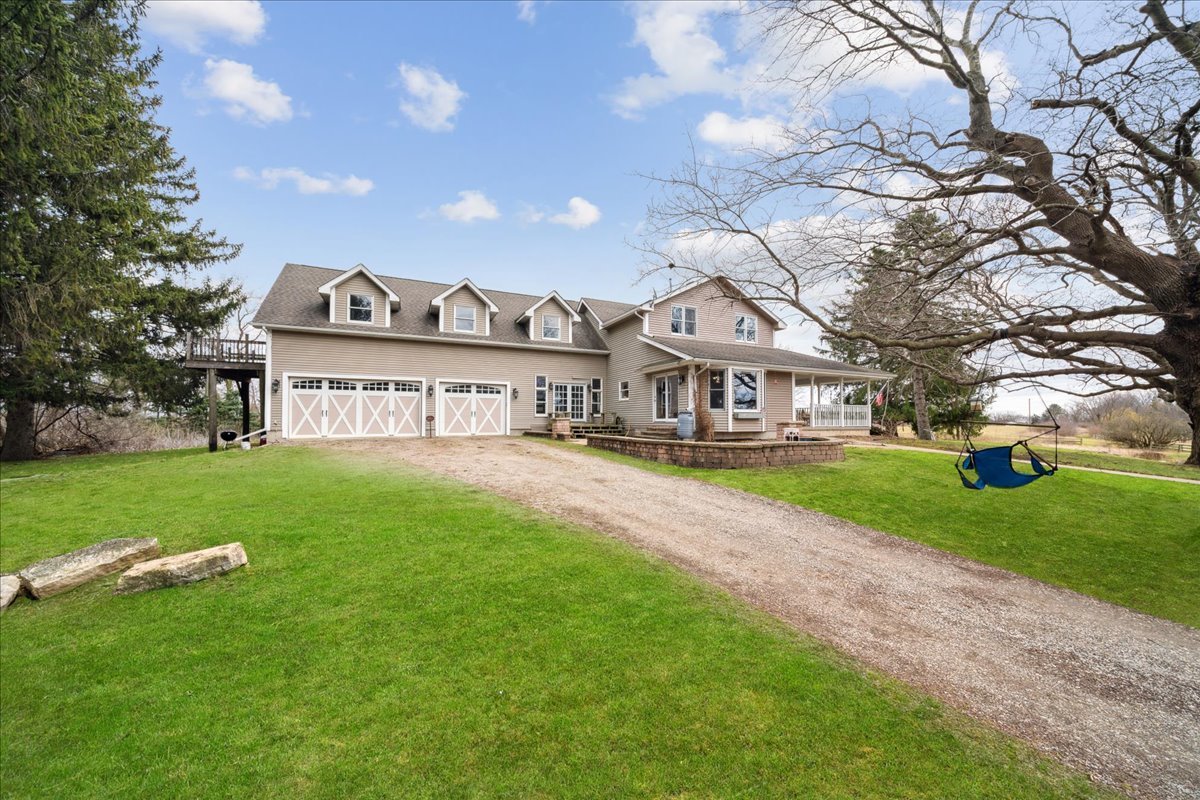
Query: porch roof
point(748, 355)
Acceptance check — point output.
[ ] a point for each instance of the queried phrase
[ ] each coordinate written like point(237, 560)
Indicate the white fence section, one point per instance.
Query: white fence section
point(835, 415)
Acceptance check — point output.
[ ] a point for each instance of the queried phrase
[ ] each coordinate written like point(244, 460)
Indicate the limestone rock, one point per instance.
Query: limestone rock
point(184, 568)
point(63, 573)
point(10, 587)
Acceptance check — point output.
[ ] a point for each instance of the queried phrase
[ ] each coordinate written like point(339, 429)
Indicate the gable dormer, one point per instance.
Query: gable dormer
point(551, 319)
point(714, 310)
point(465, 309)
point(358, 297)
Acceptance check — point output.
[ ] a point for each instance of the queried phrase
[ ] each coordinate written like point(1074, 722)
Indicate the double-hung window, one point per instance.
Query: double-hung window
point(745, 390)
point(597, 395)
point(551, 326)
point(539, 395)
point(464, 319)
point(716, 390)
point(745, 328)
point(683, 320)
point(623, 390)
point(362, 308)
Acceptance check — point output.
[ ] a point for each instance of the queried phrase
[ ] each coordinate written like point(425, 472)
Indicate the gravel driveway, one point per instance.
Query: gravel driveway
point(1110, 691)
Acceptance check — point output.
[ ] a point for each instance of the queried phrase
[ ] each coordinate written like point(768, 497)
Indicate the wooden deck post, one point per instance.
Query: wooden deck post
point(243, 385)
point(212, 410)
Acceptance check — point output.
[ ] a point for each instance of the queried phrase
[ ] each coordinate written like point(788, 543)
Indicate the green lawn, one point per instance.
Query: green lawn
point(1131, 541)
point(397, 635)
point(1080, 458)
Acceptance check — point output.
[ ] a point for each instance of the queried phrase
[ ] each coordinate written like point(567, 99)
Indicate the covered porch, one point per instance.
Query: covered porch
point(820, 402)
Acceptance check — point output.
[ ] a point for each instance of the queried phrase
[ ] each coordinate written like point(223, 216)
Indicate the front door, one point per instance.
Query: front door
point(666, 397)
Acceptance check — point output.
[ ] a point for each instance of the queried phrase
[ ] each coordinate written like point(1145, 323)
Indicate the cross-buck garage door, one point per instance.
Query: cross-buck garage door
point(341, 407)
point(472, 409)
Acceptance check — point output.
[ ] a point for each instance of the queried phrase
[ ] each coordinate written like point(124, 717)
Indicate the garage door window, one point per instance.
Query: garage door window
point(342, 386)
point(306, 384)
point(408, 388)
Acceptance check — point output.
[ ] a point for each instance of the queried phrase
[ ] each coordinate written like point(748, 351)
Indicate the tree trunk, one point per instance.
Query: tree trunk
point(1183, 355)
point(20, 432)
point(921, 406)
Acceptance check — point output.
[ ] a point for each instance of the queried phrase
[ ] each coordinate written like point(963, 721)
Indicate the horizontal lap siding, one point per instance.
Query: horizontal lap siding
point(714, 316)
point(318, 355)
point(628, 358)
point(359, 284)
point(778, 399)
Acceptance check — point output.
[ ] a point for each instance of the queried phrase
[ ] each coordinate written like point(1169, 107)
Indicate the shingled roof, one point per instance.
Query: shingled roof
point(606, 310)
point(756, 355)
point(295, 302)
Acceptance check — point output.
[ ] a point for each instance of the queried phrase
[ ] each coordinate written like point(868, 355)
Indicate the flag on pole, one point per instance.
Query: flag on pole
point(879, 398)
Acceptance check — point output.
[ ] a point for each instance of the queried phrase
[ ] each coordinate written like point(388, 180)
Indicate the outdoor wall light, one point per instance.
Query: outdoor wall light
point(429, 390)
point(516, 393)
point(275, 386)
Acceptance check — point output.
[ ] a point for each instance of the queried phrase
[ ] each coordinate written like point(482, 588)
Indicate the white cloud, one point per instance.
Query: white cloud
point(189, 23)
point(432, 102)
point(306, 184)
point(579, 214)
point(689, 59)
point(245, 95)
point(527, 11)
point(471, 205)
point(531, 214)
point(763, 133)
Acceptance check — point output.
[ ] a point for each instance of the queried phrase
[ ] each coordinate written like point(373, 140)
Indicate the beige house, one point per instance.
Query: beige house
point(354, 354)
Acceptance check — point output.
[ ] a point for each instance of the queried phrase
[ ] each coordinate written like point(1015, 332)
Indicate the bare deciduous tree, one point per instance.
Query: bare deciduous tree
point(1073, 203)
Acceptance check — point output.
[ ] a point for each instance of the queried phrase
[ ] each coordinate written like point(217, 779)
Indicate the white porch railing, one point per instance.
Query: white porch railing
point(835, 415)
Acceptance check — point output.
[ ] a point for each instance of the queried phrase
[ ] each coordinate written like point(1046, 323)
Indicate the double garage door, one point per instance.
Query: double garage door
point(338, 407)
point(345, 407)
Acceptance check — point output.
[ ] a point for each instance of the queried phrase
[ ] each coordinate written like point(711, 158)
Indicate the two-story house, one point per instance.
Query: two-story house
point(354, 354)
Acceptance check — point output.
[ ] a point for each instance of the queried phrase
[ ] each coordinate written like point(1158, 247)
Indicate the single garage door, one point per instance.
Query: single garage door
point(472, 409)
point(340, 407)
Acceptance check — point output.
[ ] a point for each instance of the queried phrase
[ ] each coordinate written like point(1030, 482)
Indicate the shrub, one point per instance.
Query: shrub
point(1155, 425)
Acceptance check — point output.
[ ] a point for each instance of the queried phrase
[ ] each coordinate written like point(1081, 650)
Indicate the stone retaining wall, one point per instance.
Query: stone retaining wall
point(723, 455)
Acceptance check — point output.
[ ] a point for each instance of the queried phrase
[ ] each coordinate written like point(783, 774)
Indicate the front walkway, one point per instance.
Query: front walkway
point(1108, 690)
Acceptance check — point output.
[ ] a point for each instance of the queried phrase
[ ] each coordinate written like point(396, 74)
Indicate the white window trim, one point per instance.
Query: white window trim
point(758, 393)
point(724, 388)
point(557, 338)
point(654, 396)
point(545, 389)
point(599, 393)
point(349, 304)
point(622, 391)
point(683, 321)
point(746, 318)
point(474, 319)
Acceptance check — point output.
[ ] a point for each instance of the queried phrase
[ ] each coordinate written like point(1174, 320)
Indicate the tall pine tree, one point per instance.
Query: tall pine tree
point(98, 261)
point(894, 297)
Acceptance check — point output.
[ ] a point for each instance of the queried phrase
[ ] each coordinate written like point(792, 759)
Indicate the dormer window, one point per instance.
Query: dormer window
point(745, 328)
point(551, 326)
point(683, 320)
point(362, 308)
point(464, 319)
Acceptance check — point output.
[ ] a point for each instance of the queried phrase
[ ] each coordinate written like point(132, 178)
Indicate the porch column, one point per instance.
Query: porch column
point(812, 400)
point(841, 403)
point(870, 402)
point(691, 404)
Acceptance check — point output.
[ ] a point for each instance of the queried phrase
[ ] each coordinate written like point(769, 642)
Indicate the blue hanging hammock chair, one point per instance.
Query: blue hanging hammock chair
point(993, 466)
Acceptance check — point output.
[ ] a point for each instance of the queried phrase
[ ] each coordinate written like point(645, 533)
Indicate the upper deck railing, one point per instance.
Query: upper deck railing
point(228, 351)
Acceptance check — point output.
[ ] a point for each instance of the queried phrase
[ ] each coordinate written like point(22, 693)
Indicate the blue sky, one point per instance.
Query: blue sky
point(536, 124)
point(501, 141)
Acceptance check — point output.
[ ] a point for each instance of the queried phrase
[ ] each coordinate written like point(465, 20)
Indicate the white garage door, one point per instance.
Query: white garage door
point(341, 407)
point(473, 409)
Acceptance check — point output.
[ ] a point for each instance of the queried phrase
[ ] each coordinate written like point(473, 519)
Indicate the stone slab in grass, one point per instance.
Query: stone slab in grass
point(63, 573)
point(10, 587)
point(181, 569)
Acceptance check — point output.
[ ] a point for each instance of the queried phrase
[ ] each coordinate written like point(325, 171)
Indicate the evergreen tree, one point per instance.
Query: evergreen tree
point(97, 258)
point(893, 297)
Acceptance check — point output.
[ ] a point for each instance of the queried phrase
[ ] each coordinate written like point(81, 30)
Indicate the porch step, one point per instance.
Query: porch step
point(657, 432)
point(585, 430)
